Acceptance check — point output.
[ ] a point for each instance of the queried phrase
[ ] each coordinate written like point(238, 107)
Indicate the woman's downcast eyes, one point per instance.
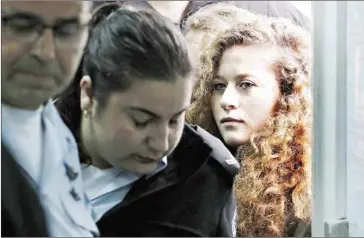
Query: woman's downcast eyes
point(142, 123)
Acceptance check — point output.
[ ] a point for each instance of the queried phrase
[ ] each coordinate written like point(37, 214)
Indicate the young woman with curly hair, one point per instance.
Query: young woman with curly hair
point(254, 94)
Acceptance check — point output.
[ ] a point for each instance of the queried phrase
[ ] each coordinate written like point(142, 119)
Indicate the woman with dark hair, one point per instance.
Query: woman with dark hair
point(254, 94)
point(146, 172)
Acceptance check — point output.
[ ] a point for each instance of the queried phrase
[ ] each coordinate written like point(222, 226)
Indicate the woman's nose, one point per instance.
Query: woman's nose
point(158, 142)
point(230, 99)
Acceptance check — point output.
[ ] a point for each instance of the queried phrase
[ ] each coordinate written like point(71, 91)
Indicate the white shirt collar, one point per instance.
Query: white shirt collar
point(99, 182)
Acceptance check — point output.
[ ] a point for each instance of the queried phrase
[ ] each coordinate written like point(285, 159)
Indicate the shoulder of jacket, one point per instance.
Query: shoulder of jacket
point(303, 229)
point(219, 151)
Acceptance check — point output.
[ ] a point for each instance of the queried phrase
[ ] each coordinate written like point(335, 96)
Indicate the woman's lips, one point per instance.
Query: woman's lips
point(145, 160)
point(231, 120)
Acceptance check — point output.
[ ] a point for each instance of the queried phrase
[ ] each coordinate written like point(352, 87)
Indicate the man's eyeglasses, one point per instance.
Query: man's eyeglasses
point(27, 29)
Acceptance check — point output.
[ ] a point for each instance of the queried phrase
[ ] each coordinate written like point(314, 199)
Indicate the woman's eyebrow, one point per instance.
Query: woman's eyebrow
point(180, 112)
point(143, 110)
point(219, 77)
point(152, 114)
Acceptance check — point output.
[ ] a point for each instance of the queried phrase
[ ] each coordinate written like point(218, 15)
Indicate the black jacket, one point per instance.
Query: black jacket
point(21, 211)
point(192, 196)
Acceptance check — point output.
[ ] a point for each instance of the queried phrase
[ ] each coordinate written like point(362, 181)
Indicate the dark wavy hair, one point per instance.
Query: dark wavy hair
point(125, 44)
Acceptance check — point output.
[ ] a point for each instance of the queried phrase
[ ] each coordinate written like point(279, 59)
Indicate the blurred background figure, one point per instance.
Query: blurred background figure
point(41, 187)
point(179, 11)
point(268, 8)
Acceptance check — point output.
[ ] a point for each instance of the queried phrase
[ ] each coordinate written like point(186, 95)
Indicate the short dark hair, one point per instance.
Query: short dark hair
point(125, 45)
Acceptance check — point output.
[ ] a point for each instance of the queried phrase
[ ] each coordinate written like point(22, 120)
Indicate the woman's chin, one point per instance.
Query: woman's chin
point(235, 141)
point(140, 168)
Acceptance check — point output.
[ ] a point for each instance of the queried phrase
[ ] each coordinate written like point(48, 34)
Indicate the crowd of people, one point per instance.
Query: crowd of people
point(120, 121)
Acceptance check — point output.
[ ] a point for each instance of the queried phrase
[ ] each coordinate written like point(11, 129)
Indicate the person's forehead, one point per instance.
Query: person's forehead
point(256, 60)
point(160, 97)
point(49, 10)
point(253, 52)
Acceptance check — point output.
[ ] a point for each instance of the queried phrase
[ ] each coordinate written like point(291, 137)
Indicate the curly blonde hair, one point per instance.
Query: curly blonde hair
point(272, 189)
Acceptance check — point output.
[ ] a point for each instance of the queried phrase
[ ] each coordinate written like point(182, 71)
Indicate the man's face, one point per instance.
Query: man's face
point(42, 44)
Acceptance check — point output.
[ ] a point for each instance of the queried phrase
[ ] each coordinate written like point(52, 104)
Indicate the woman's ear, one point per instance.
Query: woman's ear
point(86, 93)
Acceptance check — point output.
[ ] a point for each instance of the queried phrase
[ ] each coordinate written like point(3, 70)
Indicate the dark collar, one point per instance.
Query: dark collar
point(190, 154)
